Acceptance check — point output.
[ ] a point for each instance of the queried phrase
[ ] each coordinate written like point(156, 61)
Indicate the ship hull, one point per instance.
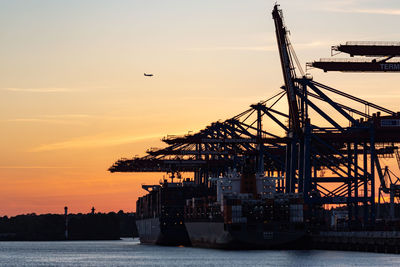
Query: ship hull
point(152, 232)
point(242, 236)
point(149, 230)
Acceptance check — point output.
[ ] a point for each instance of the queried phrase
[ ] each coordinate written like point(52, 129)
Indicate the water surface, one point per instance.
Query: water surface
point(128, 252)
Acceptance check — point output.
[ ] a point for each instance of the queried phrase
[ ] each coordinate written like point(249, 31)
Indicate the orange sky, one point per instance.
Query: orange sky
point(73, 98)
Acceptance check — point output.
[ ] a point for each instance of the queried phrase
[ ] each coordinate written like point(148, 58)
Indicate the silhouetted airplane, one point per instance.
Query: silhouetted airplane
point(148, 75)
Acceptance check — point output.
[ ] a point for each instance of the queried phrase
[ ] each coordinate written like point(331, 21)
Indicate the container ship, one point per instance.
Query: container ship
point(160, 213)
point(239, 210)
point(247, 212)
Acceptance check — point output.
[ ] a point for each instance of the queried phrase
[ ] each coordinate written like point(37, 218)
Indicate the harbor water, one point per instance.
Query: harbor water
point(129, 252)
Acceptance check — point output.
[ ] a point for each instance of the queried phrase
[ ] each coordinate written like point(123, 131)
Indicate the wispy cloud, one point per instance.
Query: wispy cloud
point(67, 118)
point(38, 120)
point(378, 11)
point(364, 11)
point(51, 89)
point(356, 6)
point(270, 48)
point(93, 142)
point(235, 48)
point(386, 95)
point(35, 167)
point(311, 45)
point(38, 90)
point(57, 119)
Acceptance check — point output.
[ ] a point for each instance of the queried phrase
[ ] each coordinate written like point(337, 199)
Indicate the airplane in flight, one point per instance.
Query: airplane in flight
point(148, 75)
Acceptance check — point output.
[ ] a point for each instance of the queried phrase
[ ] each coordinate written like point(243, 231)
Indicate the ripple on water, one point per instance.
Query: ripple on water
point(128, 252)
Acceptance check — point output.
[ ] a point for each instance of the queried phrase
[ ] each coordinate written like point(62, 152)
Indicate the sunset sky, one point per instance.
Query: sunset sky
point(73, 98)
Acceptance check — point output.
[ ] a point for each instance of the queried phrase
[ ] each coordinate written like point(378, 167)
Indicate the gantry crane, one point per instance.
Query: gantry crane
point(332, 162)
point(390, 184)
point(385, 57)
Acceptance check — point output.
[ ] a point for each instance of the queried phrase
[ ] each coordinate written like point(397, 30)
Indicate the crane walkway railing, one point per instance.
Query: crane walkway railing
point(373, 43)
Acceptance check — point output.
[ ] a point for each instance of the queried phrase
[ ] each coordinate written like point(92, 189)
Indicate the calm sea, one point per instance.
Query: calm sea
point(128, 252)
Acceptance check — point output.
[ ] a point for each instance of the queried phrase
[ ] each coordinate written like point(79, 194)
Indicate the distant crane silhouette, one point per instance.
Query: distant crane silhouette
point(148, 75)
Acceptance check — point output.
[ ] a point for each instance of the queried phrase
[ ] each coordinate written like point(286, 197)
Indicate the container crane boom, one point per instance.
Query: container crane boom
point(288, 69)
